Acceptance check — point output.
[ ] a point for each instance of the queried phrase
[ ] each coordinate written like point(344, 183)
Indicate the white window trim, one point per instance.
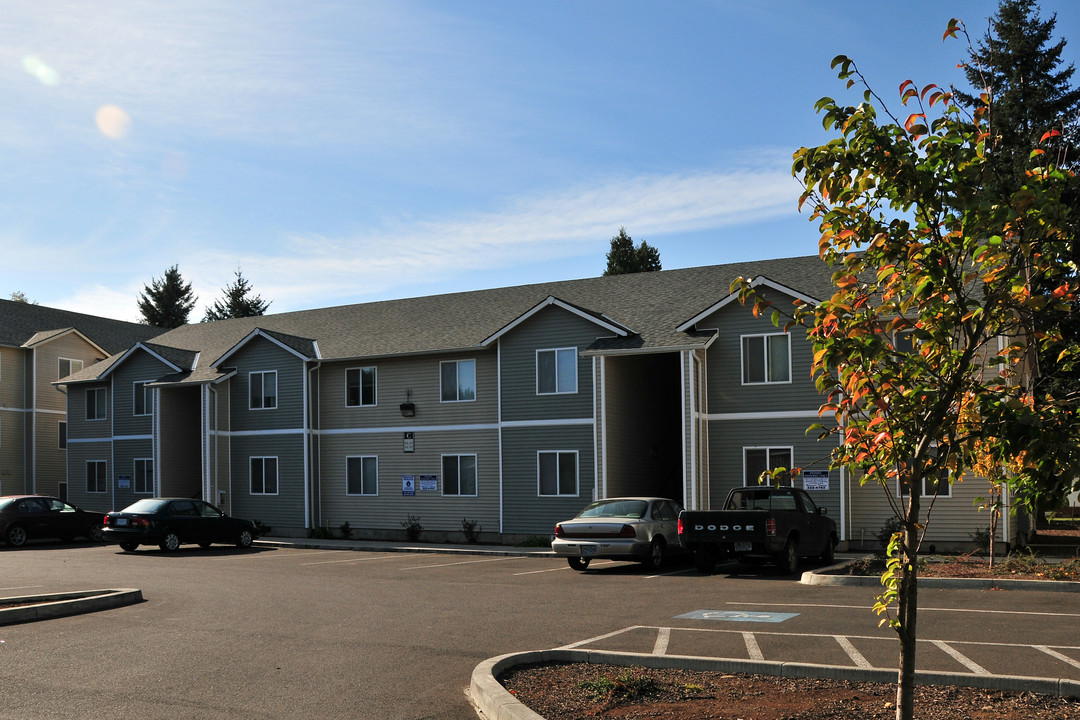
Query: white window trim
point(277, 389)
point(577, 473)
point(147, 411)
point(457, 362)
point(71, 362)
point(768, 456)
point(361, 370)
point(556, 351)
point(742, 356)
point(134, 474)
point(361, 458)
point(105, 392)
point(476, 465)
point(97, 462)
point(251, 467)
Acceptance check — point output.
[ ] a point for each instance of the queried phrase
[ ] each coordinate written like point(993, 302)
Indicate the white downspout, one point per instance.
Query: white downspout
point(499, 411)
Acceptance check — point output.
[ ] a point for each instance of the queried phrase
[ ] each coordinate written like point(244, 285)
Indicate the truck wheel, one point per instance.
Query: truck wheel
point(788, 560)
point(704, 562)
point(828, 555)
point(655, 560)
point(578, 563)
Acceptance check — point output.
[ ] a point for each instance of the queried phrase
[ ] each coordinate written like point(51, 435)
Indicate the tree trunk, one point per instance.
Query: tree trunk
point(907, 614)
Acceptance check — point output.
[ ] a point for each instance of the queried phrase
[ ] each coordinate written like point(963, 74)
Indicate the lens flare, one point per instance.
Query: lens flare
point(113, 122)
point(36, 67)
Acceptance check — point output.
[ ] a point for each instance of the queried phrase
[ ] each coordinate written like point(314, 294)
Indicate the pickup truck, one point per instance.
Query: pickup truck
point(759, 524)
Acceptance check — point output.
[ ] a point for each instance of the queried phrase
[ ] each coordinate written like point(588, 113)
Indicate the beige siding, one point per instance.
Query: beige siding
point(70, 346)
point(13, 377)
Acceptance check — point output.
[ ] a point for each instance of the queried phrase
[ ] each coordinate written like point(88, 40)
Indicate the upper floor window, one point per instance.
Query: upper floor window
point(362, 475)
point(142, 398)
point(458, 380)
point(66, 366)
point(360, 387)
point(558, 473)
point(766, 359)
point(459, 474)
point(262, 390)
point(97, 403)
point(758, 460)
point(556, 371)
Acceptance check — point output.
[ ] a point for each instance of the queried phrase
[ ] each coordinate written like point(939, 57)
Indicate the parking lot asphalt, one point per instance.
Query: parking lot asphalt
point(649, 646)
point(754, 622)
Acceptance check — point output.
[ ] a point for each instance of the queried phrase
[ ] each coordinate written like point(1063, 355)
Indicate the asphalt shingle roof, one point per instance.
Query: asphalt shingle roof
point(652, 305)
point(21, 323)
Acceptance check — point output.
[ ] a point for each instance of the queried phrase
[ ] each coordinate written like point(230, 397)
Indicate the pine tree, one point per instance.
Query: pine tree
point(167, 301)
point(1019, 66)
point(624, 258)
point(238, 302)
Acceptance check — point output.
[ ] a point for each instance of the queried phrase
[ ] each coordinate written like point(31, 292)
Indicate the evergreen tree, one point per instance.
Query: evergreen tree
point(167, 302)
point(20, 297)
point(624, 258)
point(238, 302)
point(1019, 66)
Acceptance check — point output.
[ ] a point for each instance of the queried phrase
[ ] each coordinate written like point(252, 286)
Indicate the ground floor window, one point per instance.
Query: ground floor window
point(143, 477)
point(264, 476)
point(362, 475)
point(97, 478)
point(757, 460)
point(557, 472)
point(61, 435)
point(459, 474)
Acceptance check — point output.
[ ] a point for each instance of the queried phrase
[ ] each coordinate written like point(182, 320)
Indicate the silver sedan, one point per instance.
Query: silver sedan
point(625, 528)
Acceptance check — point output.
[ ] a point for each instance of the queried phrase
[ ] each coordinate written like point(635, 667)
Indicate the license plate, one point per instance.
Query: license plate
point(121, 521)
point(588, 549)
point(743, 547)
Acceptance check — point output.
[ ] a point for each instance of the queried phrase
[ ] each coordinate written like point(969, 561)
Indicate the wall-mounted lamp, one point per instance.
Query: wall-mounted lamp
point(408, 409)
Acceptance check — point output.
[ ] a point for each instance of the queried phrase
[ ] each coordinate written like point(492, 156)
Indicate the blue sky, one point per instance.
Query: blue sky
point(345, 151)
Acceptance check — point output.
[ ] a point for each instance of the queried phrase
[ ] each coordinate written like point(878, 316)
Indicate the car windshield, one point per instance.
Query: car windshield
point(615, 509)
point(147, 505)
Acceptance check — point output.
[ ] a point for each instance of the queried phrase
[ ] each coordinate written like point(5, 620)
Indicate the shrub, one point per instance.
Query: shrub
point(471, 529)
point(412, 526)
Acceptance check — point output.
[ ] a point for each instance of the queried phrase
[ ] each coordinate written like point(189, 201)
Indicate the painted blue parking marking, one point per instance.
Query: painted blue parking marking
point(737, 616)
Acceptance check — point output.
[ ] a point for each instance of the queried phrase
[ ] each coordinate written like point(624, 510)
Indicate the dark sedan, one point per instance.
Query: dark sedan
point(171, 522)
point(23, 517)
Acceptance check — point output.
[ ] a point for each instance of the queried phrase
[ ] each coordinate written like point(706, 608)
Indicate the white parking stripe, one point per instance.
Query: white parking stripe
point(564, 567)
point(598, 638)
point(752, 646)
point(1059, 656)
point(462, 562)
point(352, 560)
point(961, 658)
point(855, 655)
point(921, 609)
point(663, 637)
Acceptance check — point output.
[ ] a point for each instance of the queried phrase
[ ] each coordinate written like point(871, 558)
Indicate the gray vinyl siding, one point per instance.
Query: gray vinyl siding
point(78, 455)
point(123, 461)
point(285, 510)
point(261, 355)
point(727, 393)
point(140, 367)
point(728, 438)
point(548, 329)
point(525, 511)
point(387, 510)
point(415, 377)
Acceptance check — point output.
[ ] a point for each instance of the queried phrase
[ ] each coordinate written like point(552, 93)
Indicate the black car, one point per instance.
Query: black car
point(39, 516)
point(170, 522)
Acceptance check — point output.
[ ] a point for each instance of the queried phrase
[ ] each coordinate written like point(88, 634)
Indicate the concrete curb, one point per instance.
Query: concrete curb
point(494, 702)
point(378, 546)
point(57, 605)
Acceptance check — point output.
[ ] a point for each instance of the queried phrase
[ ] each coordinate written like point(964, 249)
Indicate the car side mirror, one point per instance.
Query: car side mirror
point(823, 511)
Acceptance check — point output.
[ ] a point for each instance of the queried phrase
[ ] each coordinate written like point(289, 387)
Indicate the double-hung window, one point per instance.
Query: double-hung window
point(362, 475)
point(264, 476)
point(757, 460)
point(557, 473)
point(97, 403)
point(143, 478)
point(459, 474)
point(262, 391)
point(96, 476)
point(143, 398)
point(766, 359)
point(457, 380)
point(360, 387)
point(556, 371)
